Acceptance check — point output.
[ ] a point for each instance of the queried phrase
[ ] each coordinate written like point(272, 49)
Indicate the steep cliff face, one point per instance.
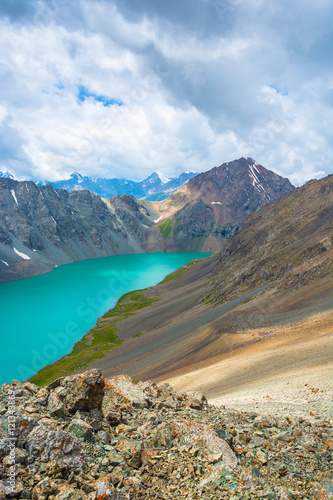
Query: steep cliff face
point(211, 207)
point(41, 227)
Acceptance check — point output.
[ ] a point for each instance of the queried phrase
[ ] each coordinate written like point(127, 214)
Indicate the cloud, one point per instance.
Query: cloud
point(120, 88)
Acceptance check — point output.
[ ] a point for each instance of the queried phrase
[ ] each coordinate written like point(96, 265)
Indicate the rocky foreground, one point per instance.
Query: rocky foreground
point(84, 437)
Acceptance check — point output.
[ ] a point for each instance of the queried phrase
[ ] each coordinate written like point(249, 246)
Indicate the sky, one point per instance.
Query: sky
point(122, 88)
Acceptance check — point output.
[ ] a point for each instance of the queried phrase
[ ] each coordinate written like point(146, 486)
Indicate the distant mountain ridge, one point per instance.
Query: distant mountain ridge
point(155, 187)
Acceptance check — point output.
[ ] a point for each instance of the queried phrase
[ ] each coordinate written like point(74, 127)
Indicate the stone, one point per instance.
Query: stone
point(112, 415)
point(115, 458)
point(82, 430)
point(67, 492)
point(60, 445)
point(196, 400)
point(12, 490)
point(121, 392)
point(45, 488)
point(77, 392)
point(194, 435)
point(131, 450)
point(104, 488)
point(169, 448)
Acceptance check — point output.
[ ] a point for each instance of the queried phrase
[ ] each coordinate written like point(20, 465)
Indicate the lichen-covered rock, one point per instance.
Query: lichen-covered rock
point(45, 488)
point(112, 415)
point(67, 492)
point(152, 442)
point(115, 458)
point(82, 430)
point(11, 489)
point(56, 445)
point(57, 406)
point(197, 437)
point(131, 450)
point(121, 392)
point(77, 392)
point(104, 488)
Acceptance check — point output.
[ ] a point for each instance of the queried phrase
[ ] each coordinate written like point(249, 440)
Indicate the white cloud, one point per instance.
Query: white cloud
point(200, 85)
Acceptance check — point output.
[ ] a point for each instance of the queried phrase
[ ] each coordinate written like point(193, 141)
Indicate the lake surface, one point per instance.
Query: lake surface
point(42, 317)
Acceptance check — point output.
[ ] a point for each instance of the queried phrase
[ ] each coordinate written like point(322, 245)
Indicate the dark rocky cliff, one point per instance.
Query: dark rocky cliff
point(211, 207)
point(41, 227)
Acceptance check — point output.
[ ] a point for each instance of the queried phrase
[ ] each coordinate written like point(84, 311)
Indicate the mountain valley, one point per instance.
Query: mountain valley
point(42, 227)
point(274, 273)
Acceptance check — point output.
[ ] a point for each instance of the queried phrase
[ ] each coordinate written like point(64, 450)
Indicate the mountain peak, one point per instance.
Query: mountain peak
point(76, 175)
point(7, 175)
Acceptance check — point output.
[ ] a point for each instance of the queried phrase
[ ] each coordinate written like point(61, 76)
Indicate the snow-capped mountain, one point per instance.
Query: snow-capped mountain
point(156, 187)
point(6, 175)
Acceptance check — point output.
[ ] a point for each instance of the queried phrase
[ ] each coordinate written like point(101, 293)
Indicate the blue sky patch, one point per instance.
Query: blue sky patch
point(279, 90)
point(84, 94)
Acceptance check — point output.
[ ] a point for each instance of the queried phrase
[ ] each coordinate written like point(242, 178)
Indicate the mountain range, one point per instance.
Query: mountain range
point(252, 317)
point(264, 301)
point(42, 227)
point(155, 188)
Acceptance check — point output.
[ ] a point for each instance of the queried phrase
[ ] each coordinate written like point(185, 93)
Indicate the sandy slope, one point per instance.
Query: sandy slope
point(289, 371)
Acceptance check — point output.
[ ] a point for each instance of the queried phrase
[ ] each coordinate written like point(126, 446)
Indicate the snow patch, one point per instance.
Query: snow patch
point(163, 177)
point(14, 196)
point(21, 254)
point(55, 222)
point(157, 220)
point(216, 203)
point(6, 263)
point(255, 181)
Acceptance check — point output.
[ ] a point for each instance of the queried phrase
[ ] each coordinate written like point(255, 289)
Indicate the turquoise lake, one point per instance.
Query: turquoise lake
point(42, 317)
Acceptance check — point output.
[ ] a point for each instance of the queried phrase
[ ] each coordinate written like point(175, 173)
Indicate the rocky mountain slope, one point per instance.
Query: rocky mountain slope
point(41, 227)
point(211, 207)
point(85, 437)
point(289, 242)
point(152, 188)
point(275, 273)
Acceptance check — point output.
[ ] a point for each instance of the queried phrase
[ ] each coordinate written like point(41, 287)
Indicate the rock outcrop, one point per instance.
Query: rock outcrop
point(162, 444)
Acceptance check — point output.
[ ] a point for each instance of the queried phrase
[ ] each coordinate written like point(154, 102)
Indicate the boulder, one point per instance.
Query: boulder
point(196, 437)
point(104, 488)
point(57, 445)
point(81, 392)
point(121, 392)
point(82, 430)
